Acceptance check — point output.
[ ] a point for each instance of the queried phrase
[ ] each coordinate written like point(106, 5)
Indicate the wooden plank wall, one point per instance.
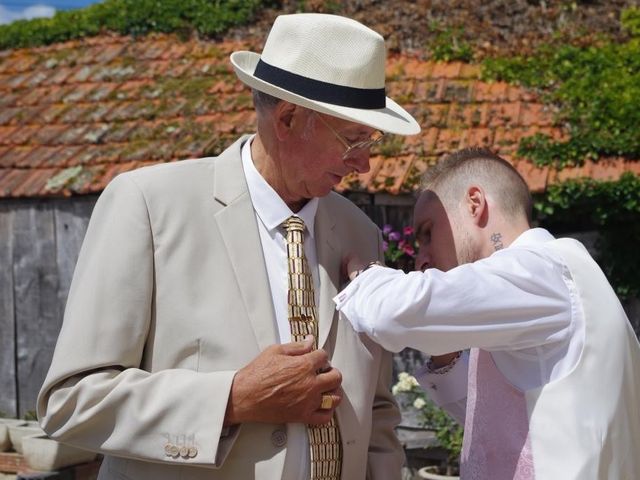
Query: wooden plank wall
point(39, 244)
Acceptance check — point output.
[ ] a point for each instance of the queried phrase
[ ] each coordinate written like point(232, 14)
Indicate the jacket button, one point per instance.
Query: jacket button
point(193, 451)
point(279, 437)
point(168, 449)
point(172, 450)
point(184, 452)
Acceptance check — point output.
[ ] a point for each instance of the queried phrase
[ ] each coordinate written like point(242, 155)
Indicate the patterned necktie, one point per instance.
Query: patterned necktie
point(324, 440)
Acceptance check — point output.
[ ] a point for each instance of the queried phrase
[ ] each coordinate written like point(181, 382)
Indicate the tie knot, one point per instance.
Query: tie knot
point(294, 224)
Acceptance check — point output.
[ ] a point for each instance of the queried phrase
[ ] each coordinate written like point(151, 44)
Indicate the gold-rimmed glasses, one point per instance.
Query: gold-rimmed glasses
point(351, 148)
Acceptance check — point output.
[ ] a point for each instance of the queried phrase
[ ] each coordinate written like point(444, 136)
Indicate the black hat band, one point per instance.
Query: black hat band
point(365, 98)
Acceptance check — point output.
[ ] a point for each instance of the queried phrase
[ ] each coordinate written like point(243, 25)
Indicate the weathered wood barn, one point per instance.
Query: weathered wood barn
point(74, 115)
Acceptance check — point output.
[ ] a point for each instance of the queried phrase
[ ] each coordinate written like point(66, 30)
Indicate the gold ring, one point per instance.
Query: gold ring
point(327, 402)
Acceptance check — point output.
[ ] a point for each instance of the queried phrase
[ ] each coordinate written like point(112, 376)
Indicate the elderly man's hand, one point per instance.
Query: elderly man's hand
point(351, 266)
point(285, 384)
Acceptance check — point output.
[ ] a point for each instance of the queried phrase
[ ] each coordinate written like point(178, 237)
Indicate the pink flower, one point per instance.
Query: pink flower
point(408, 249)
point(407, 231)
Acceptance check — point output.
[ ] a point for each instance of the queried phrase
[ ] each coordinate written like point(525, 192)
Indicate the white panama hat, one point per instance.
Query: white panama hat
point(327, 63)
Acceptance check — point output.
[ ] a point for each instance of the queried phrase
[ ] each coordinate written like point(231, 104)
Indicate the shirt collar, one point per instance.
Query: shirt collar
point(532, 236)
point(268, 205)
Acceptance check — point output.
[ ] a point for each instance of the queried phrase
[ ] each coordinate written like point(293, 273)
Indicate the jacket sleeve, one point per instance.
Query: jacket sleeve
point(96, 395)
point(386, 456)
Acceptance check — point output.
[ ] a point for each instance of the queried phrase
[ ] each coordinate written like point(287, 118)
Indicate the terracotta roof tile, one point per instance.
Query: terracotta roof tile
point(12, 155)
point(457, 91)
point(5, 133)
point(99, 154)
point(22, 135)
point(609, 169)
point(75, 114)
point(38, 79)
point(49, 134)
point(8, 114)
point(109, 53)
point(32, 97)
point(57, 93)
point(631, 166)
point(446, 70)
point(12, 181)
point(535, 114)
point(536, 177)
point(8, 99)
point(38, 156)
point(50, 113)
point(470, 71)
point(478, 137)
point(33, 183)
point(502, 114)
point(102, 91)
point(79, 93)
point(448, 141)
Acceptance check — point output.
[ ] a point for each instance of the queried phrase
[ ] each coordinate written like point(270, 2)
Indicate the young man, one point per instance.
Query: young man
point(174, 358)
point(551, 387)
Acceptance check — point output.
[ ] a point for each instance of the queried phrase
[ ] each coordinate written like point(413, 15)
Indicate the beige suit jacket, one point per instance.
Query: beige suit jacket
point(169, 299)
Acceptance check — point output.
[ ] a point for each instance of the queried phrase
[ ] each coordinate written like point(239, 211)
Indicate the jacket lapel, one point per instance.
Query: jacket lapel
point(239, 230)
point(329, 262)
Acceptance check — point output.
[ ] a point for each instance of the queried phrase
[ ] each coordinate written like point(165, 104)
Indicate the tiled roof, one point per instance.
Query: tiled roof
point(74, 115)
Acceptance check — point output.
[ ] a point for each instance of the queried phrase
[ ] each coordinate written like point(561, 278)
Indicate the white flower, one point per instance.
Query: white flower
point(406, 383)
point(419, 403)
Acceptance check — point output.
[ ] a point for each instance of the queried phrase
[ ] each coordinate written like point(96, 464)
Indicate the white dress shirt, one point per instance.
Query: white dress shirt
point(519, 304)
point(271, 212)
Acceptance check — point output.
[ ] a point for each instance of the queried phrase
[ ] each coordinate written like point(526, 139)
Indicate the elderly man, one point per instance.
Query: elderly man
point(551, 386)
point(191, 346)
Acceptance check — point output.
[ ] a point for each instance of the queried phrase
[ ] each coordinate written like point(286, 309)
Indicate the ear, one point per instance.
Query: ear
point(283, 118)
point(476, 204)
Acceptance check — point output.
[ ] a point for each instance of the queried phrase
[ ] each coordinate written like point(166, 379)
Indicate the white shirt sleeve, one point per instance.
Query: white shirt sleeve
point(514, 299)
point(448, 390)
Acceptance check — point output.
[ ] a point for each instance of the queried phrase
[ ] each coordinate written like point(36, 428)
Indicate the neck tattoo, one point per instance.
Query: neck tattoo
point(496, 239)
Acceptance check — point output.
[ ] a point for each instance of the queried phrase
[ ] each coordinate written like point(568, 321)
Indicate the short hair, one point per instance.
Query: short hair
point(264, 102)
point(450, 178)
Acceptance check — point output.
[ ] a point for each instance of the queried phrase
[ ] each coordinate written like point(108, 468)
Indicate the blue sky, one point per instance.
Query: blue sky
point(11, 10)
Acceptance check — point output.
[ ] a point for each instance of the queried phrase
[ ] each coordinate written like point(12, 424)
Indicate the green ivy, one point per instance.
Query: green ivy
point(130, 17)
point(610, 207)
point(448, 44)
point(630, 20)
point(597, 90)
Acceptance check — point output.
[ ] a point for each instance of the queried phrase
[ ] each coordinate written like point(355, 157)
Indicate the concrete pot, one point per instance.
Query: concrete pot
point(427, 473)
point(18, 432)
point(46, 454)
point(5, 441)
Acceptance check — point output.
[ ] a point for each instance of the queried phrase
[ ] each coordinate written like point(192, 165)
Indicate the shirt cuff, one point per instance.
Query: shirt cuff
point(448, 387)
point(347, 292)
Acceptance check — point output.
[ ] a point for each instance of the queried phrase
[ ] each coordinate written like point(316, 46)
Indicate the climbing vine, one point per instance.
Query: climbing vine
point(597, 92)
point(131, 17)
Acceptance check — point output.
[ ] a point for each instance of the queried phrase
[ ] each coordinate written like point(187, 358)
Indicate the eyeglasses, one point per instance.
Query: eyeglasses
point(351, 148)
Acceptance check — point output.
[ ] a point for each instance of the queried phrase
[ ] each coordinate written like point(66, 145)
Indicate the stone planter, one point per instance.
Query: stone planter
point(5, 441)
point(46, 454)
point(427, 473)
point(18, 432)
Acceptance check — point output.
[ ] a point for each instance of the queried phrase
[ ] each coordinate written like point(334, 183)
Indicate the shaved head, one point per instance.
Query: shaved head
point(451, 177)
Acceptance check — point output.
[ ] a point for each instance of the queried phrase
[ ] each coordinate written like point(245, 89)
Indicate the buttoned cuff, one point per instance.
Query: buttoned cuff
point(343, 302)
